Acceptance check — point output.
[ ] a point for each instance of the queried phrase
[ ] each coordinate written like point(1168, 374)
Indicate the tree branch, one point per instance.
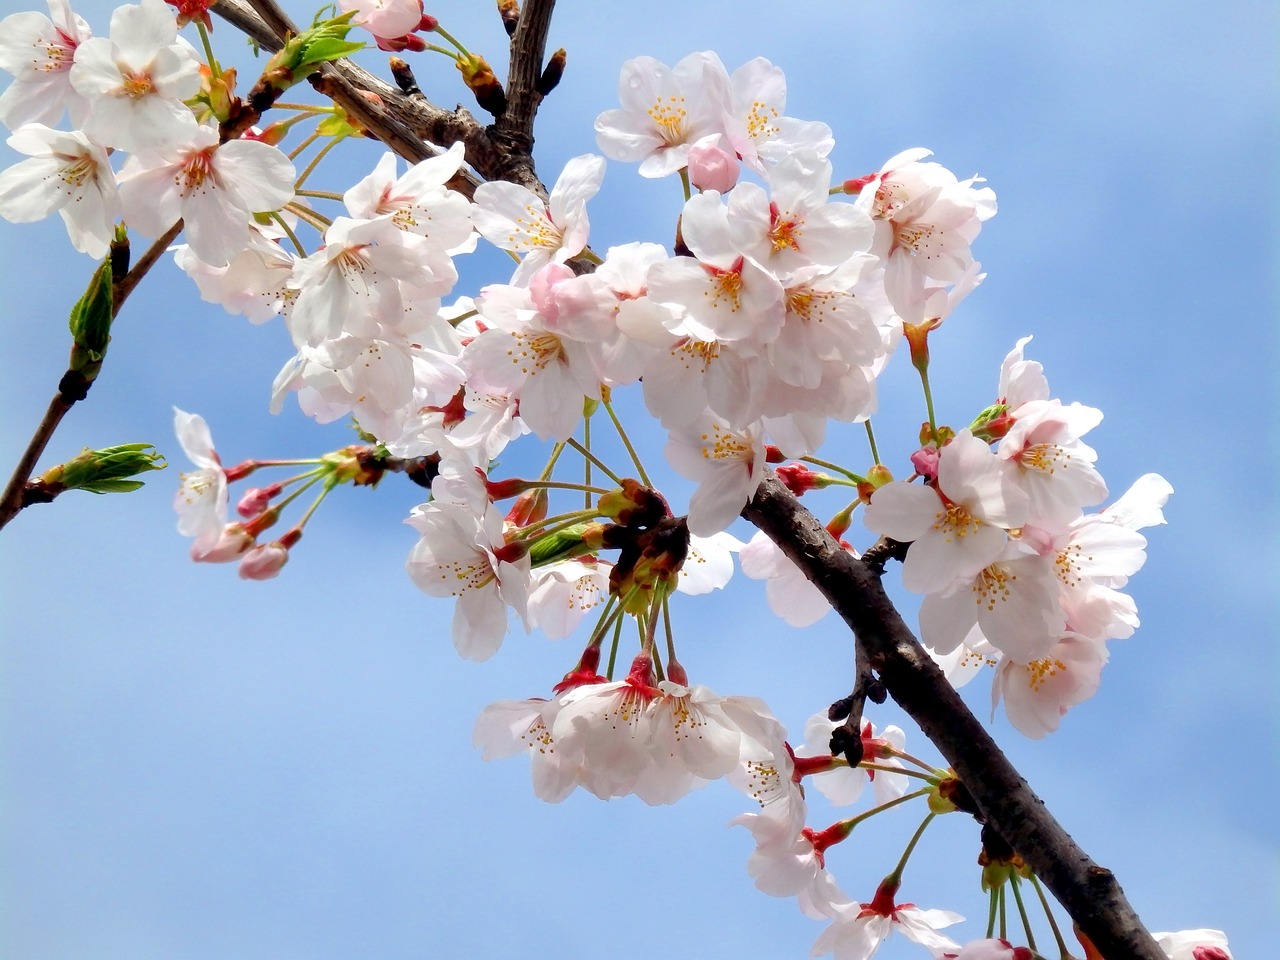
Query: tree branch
point(1089, 893)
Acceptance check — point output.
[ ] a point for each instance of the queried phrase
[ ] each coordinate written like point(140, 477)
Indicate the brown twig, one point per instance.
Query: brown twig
point(1088, 892)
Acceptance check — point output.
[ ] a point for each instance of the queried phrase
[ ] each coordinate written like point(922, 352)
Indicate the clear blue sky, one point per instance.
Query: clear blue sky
point(196, 767)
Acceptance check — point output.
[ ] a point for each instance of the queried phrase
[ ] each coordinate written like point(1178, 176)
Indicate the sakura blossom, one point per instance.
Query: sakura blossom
point(665, 111)
point(69, 174)
point(201, 502)
point(215, 189)
point(39, 51)
point(136, 79)
point(514, 218)
point(728, 465)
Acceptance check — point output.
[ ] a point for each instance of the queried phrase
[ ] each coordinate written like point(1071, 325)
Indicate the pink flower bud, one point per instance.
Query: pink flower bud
point(255, 500)
point(711, 167)
point(925, 460)
point(263, 562)
point(234, 541)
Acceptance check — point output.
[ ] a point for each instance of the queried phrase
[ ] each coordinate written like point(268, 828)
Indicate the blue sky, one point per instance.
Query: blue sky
point(196, 767)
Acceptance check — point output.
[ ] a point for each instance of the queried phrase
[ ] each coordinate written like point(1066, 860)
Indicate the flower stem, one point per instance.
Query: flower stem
point(315, 161)
point(626, 442)
point(828, 465)
point(896, 875)
point(594, 459)
point(871, 439)
point(1015, 881)
point(1048, 912)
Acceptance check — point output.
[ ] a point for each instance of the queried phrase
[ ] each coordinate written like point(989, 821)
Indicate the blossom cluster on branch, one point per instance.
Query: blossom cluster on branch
point(783, 293)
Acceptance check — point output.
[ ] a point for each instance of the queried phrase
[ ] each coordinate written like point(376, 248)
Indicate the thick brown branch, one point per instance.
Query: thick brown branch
point(1090, 893)
point(513, 131)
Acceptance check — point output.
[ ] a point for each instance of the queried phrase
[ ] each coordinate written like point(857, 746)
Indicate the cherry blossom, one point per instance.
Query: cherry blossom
point(665, 110)
point(39, 52)
point(755, 119)
point(1039, 693)
point(417, 201)
point(1194, 945)
point(843, 785)
point(858, 929)
point(507, 727)
point(728, 465)
point(67, 173)
point(201, 501)
point(462, 556)
point(215, 189)
point(956, 529)
point(135, 80)
point(513, 217)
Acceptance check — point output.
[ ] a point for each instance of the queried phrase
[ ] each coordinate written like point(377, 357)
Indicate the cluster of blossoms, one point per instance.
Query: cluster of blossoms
point(784, 295)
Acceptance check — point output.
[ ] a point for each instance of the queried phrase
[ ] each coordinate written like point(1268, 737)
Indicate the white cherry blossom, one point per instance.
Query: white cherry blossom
point(665, 110)
point(136, 79)
point(39, 52)
point(513, 217)
point(67, 173)
point(201, 501)
point(215, 189)
point(727, 464)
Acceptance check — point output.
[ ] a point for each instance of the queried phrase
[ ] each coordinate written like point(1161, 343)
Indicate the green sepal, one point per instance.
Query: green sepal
point(562, 545)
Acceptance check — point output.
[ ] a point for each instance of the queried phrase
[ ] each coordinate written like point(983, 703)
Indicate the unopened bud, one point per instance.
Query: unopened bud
point(530, 507)
point(90, 324)
point(479, 78)
point(509, 11)
point(552, 73)
point(264, 561)
point(103, 471)
point(799, 479)
point(633, 504)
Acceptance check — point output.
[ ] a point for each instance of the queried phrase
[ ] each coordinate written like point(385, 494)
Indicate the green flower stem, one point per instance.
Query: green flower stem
point(308, 216)
point(1022, 911)
point(319, 194)
point(1063, 952)
point(214, 70)
point(594, 459)
point(288, 232)
point(992, 896)
point(586, 464)
point(315, 161)
point(617, 637)
point(566, 485)
point(626, 442)
point(306, 142)
point(666, 625)
point(684, 182)
point(928, 402)
point(885, 768)
point(551, 461)
point(896, 876)
point(828, 465)
point(868, 814)
point(871, 439)
point(448, 36)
